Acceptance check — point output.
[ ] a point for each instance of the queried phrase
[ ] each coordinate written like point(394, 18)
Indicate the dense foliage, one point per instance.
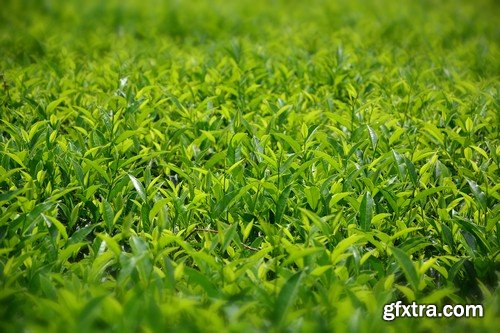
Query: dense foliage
point(247, 166)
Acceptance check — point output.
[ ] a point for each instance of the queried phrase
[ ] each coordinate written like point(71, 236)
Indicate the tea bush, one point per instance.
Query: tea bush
point(247, 166)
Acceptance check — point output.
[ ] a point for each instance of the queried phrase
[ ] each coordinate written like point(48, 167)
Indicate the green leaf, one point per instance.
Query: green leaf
point(228, 236)
point(400, 164)
point(108, 214)
point(14, 157)
point(99, 169)
point(391, 200)
point(344, 245)
point(366, 211)
point(337, 197)
point(478, 194)
point(47, 286)
point(229, 198)
point(223, 204)
point(425, 193)
point(247, 230)
point(287, 296)
point(139, 246)
point(301, 253)
point(282, 203)
point(61, 193)
point(312, 195)
point(91, 307)
point(437, 296)
point(407, 265)
point(373, 137)
point(434, 133)
point(201, 280)
point(111, 243)
point(447, 235)
point(411, 171)
point(52, 105)
point(215, 159)
point(138, 187)
point(478, 232)
point(80, 234)
point(60, 227)
point(9, 195)
point(291, 142)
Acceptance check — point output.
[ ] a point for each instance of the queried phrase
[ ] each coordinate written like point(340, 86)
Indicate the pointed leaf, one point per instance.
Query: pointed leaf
point(99, 169)
point(291, 142)
point(52, 105)
point(282, 203)
point(373, 137)
point(108, 214)
point(138, 187)
point(366, 212)
point(202, 281)
point(478, 194)
point(406, 264)
point(287, 296)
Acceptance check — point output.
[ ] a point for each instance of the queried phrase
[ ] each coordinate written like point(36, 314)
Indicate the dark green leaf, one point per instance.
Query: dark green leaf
point(366, 211)
point(287, 296)
point(407, 266)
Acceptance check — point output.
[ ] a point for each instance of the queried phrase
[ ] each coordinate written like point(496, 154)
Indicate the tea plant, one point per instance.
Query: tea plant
point(247, 166)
